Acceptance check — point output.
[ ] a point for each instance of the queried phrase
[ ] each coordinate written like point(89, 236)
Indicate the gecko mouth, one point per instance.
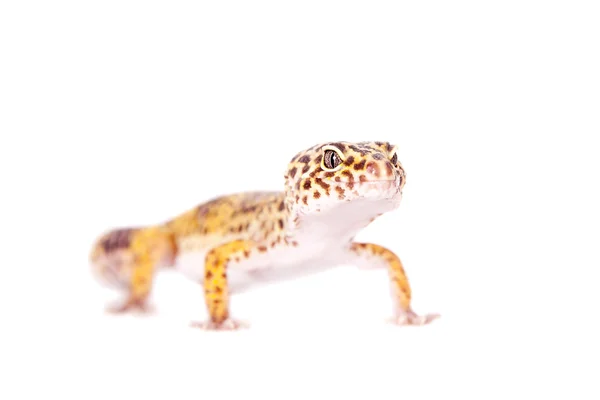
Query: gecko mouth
point(376, 189)
point(382, 183)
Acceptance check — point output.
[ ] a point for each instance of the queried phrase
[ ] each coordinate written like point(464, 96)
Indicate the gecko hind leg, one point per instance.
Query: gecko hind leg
point(372, 255)
point(130, 258)
point(216, 285)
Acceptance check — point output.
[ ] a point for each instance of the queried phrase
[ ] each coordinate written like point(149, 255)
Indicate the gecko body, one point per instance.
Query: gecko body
point(332, 191)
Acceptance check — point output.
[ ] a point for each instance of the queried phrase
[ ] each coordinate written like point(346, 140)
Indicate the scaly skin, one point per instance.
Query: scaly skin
point(332, 191)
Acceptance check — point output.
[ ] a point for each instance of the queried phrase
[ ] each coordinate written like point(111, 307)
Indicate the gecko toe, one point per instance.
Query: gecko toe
point(227, 325)
point(139, 306)
point(411, 318)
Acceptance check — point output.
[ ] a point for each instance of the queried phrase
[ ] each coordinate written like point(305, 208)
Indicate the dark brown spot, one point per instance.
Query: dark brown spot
point(203, 210)
point(340, 146)
point(262, 249)
point(305, 200)
point(337, 179)
point(320, 182)
point(378, 156)
point(307, 184)
point(340, 191)
point(209, 274)
point(281, 206)
point(357, 149)
point(298, 185)
point(350, 185)
point(293, 172)
point(349, 160)
point(280, 224)
point(305, 168)
point(304, 159)
point(389, 147)
point(118, 239)
point(349, 175)
point(362, 178)
point(246, 253)
point(379, 143)
point(218, 289)
point(316, 194)
point(360, 165)
point(318, 159)
point(329, 174)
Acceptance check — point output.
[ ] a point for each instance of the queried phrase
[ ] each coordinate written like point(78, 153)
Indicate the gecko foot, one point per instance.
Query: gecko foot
point(227, 325)
point(140, 305)
point(411, 318)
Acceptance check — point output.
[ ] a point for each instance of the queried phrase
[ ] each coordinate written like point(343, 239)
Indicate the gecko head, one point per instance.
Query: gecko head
point(329, 174)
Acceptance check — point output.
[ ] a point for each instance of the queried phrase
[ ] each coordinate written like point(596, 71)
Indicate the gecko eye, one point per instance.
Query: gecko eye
point(394, 158)
point(331, 159)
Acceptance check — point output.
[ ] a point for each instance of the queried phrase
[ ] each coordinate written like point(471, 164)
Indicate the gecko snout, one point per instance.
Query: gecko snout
point(386, 170)
point(380, 170)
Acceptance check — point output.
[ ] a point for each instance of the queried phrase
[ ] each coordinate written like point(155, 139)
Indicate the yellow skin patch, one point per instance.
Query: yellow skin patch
point(332, 191)
point(216, 290)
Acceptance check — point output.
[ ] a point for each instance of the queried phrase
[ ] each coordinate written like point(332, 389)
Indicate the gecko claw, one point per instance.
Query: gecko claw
point(411, 318)
point(227, 325)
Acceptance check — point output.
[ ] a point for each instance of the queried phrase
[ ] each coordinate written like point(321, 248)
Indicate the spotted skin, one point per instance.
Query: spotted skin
point(216, 291)
point(331, 192)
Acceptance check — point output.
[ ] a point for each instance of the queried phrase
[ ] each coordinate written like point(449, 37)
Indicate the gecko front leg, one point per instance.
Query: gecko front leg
point(372, 255)
point(216, 285)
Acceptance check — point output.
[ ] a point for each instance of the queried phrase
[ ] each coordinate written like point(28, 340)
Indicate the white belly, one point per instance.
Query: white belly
point(279, 263)
point(322, 244)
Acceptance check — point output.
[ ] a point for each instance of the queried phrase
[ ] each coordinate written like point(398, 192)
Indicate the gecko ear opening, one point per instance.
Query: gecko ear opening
point(332, 160)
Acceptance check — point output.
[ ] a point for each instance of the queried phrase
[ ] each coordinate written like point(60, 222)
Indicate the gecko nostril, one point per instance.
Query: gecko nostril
point(373, 169)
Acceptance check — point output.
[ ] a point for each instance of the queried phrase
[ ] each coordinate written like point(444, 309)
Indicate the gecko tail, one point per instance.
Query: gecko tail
point(117, 243)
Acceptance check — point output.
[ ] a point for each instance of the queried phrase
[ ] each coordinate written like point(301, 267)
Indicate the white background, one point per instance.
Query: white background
point(118, 113)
